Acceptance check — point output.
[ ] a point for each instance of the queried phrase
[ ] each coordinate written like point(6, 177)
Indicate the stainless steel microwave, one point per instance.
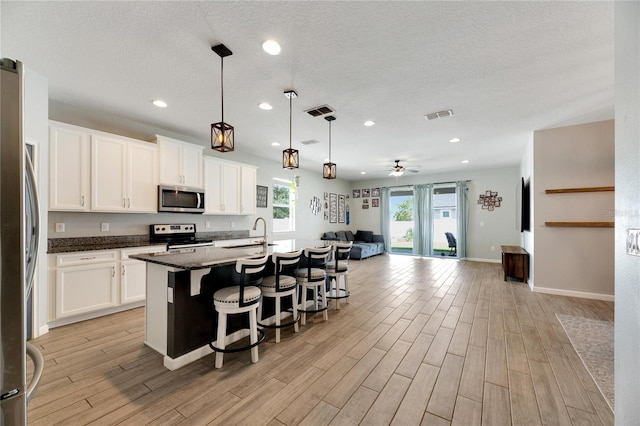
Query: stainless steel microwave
point(180, 199)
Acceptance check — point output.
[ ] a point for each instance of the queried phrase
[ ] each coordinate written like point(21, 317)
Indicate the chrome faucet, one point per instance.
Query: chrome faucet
point(255, 226)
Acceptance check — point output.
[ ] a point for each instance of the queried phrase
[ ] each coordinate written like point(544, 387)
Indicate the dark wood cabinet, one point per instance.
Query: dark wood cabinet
point(515, 263)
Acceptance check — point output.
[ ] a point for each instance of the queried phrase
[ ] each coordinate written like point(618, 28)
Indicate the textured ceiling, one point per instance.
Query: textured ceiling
point(504, 68)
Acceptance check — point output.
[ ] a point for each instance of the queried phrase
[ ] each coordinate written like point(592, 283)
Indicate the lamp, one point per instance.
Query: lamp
point(329, 169)
point(290, 157)
point(222, 138)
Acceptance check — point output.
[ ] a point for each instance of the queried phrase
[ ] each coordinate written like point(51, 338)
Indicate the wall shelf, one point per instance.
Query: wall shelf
point(569, 190)
point(582, 224)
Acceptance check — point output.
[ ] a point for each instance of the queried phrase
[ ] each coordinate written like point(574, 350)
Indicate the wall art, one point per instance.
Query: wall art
point(489, 200)
point(375, 202)
point(341, 208)
point(333, 208)
point(315, 205)
point(262, 193)
point(366, 192)
point(375, 192)
point(356, 193)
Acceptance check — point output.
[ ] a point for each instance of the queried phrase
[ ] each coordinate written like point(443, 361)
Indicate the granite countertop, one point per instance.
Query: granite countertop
point(208, 257)
point(69, 245)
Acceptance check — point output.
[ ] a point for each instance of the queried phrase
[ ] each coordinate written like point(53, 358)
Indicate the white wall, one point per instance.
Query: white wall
point(627, 157)
point(309, 226)
point(574, 261)
point(486, 229)
point(528, 237)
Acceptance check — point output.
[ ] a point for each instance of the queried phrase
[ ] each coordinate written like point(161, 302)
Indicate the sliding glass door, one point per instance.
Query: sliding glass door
point(401, 211)
point(426, 220)
point(444, 222)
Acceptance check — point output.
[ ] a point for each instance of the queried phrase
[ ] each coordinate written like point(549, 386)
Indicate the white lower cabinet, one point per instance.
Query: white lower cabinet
point(82, 289)
point(94, 283)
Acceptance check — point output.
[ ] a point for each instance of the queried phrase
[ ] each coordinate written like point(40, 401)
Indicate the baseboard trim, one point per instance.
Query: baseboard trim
point(476, 259)
point(572, 293)
point(44, 329)
point(90, 315)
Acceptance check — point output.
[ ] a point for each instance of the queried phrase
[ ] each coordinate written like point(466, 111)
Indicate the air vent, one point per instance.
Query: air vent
point(309, 142)
point(321, 110)
point(439, 114)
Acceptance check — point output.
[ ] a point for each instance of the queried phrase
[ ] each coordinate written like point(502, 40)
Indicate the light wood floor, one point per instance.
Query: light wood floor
point(422, 341)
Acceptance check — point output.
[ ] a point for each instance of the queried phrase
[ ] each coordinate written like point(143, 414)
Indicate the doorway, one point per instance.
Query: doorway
point(444, 220)
point(401, 210)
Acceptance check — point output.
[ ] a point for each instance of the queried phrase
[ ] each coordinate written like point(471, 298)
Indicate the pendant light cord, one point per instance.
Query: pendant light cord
point(222, 88)
point(290, 117)
point(330, 141)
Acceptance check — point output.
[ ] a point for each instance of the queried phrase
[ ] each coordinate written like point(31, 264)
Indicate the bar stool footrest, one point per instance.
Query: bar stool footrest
point(261, 337)
point(288, 324)
point(341, 294)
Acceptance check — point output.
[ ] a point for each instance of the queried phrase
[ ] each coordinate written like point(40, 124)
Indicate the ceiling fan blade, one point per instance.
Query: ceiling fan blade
point(411, 170)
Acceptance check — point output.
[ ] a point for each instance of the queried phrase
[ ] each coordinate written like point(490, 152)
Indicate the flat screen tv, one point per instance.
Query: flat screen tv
point(525, 206)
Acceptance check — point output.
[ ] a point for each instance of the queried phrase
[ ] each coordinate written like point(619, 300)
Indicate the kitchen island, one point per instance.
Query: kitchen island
point(179, 316)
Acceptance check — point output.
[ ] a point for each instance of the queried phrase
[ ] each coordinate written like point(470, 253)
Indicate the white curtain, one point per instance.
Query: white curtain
point(463, 218)
point(422, 237)
point(385, 230)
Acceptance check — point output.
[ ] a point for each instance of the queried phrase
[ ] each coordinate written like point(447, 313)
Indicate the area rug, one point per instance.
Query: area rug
point(593, 341)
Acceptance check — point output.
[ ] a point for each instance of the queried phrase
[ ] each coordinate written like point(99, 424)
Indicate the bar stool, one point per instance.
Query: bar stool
point(238, 299)
point(312, 275)
point(338, 268)
point(280, 285)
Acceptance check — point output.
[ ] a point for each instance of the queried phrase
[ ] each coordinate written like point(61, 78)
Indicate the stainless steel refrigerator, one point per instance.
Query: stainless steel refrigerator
point(18, 249)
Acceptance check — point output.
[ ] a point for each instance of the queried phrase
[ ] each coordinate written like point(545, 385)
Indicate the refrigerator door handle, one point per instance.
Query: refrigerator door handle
point(32, 198)
point(38, 364)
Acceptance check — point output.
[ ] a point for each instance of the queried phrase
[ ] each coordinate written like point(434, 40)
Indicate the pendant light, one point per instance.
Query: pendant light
point(222, 137)
point(290, 157)
point(329, 169)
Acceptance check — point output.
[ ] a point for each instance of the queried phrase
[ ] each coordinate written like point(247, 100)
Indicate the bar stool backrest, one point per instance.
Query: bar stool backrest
point(250, 270)
point(316, 258)
point(285, 264)
point(341, 254)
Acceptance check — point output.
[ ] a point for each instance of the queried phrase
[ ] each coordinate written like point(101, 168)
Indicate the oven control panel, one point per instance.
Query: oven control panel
point(169, 229)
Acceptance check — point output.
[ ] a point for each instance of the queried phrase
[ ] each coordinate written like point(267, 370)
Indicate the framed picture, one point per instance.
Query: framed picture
point(375, 202)
point(365, 206)
point(365, 192)
point(315, 205)
point(262, 193)
point(326, 215)
point(341, 208)
point(375, 192)
point(333, 208)
point(365, 201)
point(326, 196)
point(356, 193)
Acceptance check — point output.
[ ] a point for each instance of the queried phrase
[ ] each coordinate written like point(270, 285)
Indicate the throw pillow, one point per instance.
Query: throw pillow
point(350, 236)
point(364, 236)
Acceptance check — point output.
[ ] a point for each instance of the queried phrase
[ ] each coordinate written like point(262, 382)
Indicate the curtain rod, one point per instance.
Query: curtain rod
point(433, 183)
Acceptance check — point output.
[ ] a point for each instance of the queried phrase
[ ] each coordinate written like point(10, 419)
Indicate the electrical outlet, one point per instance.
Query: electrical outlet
point(104, 226)
point(493, 248)
point(207, 224)
point(633, 242)
point(233, 224)
point(59, 227)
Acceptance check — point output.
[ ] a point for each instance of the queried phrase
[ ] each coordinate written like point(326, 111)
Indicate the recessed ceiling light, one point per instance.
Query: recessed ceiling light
point(275, 144)
point(455, 140)
point(465, 161)
point(363, 173)
point(159, 103)
point(265, 106)
point(272, 47)
point(369, 123)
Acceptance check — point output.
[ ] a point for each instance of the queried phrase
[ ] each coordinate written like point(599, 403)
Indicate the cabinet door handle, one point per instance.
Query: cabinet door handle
point(113, 271)
point(124, 202)
point(123, 270)
point(82, 202)
point(128, 203)
point(87, 258)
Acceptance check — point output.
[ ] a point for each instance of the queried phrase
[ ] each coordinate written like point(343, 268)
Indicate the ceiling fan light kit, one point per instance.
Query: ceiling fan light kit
point(290, 156)
point(399, 170)
point(222, 134)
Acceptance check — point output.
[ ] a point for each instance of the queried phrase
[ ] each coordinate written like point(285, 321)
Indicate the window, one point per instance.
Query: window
point(283, 206)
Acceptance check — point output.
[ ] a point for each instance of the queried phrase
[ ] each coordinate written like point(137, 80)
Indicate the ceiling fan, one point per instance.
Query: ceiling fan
point(399, 170)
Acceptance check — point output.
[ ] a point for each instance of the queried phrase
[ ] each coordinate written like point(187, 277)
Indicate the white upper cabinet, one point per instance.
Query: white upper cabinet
point(180, 163)
point(230, 188)
point(68, 168)
point(248, 190)
point(124, 176)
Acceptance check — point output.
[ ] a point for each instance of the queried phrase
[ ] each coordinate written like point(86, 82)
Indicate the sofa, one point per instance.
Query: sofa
point(365, 243)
